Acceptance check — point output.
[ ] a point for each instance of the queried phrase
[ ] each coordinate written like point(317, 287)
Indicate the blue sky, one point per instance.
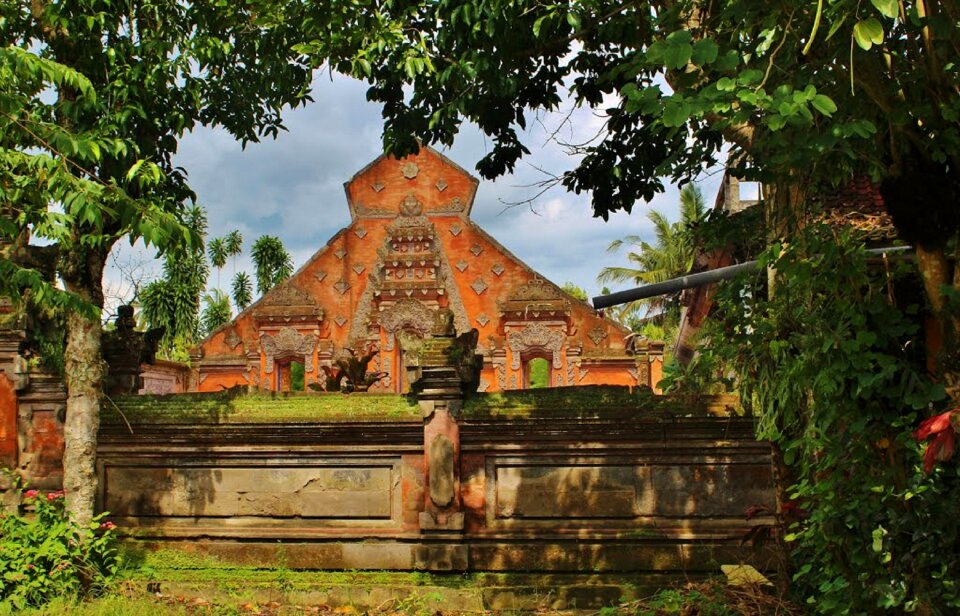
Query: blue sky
point(292, 187)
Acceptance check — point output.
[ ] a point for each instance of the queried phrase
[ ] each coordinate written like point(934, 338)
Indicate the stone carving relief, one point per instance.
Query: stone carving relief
point(483, 319)
point(288, 342)
point(341, 286)
point(358, 268)
point(407, 313)
point(455, 206)
point(372, 212)
point(476, 249)
point(500, 369)
point(409, 169)
point(462, 265)
point(411, 206)
point(361, 232)
point(479, 286)
point(455, 230)
point(573, 371)
point(535, 337)
point(320, 276)
point(340, 320)
point(287, 302)
point(340, 253)
point(441, 185)
point(598, 334)
point(497, 269)
point(377, 186)
point(232, 340)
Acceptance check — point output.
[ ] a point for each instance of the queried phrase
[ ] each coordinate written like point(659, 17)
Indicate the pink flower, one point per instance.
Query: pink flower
point(55, 495)
point(31, 493)
point(108, 525)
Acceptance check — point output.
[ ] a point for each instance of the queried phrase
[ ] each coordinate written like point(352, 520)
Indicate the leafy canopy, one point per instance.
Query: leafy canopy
point(816, 91)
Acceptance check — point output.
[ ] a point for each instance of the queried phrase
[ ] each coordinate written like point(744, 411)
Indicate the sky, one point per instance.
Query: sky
point(292, 187)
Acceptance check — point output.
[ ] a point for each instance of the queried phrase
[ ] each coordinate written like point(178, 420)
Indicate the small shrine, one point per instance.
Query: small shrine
point(410, 252)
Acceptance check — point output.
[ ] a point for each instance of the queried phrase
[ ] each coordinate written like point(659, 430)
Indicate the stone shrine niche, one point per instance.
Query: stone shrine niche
point(407, 314)
point(536, 338)
point(287, 343)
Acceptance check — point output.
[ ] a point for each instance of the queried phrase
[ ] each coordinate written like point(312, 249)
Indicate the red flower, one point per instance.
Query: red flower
point(55, 495)
point(108, 525)
point(941, 448)
point(31, 493)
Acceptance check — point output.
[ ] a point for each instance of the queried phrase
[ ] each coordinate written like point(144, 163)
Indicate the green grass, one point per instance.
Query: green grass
point(232, 407)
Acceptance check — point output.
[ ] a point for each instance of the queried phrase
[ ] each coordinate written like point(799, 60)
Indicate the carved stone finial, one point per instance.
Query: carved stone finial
point(443, 324)
point(411, 206)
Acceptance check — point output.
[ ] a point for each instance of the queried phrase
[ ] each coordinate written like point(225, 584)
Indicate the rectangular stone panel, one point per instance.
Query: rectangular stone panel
point(554, 490)
point(340, 492)
point(565, 492)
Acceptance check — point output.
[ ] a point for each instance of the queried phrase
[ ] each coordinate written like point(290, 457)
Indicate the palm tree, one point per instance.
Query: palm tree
point(272, 262)
point(671, 255)
point(242, 291)
point(234, 244)
point(216, 311)
point(217, 251)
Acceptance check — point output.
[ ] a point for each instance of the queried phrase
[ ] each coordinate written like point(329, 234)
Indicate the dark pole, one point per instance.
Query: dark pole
point(694, 280)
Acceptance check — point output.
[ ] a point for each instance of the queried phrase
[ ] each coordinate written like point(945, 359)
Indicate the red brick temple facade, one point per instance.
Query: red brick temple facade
point(411, 249)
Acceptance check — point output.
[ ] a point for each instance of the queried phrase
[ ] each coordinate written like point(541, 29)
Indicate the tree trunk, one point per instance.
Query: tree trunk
point(85, 372)
point(942, 356)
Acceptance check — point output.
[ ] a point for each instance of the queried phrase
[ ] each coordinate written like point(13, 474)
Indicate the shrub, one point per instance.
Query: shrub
point(44, 555)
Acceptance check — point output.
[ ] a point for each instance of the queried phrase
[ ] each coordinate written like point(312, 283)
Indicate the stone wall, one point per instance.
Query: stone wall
point(541, 482)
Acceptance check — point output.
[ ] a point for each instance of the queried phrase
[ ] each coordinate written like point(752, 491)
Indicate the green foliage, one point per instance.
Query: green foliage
point(173, 301)
point(575, 291)
point(216, 311)
point(272, 262)
point(833, 370)
point(539, 373)
point(46, 556)
point(297, 376)
point(242, 290)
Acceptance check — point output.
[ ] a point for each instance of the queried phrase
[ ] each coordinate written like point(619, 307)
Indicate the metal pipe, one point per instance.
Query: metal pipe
point(694, 280)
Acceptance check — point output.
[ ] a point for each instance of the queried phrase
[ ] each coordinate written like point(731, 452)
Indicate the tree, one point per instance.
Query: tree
point(137, 76)
point(234, 246)
point(576, 291)
point(272, 262)
point(812, 93)
point(670, 256)
point(242, 291)
point(173, 301)
point(216, 311)
point(217, 251)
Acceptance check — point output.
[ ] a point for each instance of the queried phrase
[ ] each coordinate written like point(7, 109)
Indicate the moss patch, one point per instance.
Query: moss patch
point(230, 407)
point(582, 401)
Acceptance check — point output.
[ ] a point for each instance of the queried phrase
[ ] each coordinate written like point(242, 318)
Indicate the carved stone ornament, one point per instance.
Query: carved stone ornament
point(411, 206)
point(409, 169)
point(455, 229)
point(358, 268)
point(462, 265)
point(535, 337)
point(377, 186)
point(287, 302)
point(232, 340)
point(535, 297)
point(476, 249)
point(598, 334)
point(455, 206)
point(483, 319)
point(288, 342)
point(340, 320)
point(441, 185)
point(360, 232)
point(407, 314)
point(320, 276)
point(479, 286)
point(341, 286)
point(340, 253)
point(497, 269)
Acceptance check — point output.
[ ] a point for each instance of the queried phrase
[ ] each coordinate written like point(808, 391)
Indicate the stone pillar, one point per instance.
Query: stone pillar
point(441, 399)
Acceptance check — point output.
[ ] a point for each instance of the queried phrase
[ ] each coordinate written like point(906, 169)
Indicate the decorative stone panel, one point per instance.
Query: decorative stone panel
point(536, 337)
point(288, 342)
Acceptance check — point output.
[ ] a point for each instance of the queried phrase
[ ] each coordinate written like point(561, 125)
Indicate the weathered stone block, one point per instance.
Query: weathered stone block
point(449, 557)
point(441, 471)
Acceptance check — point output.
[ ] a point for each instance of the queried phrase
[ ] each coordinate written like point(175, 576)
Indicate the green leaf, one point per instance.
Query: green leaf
point(704, 52)
point(574, 20)
point(675, 113)
point(887, 8)
point(868, 32)
point(824, 104)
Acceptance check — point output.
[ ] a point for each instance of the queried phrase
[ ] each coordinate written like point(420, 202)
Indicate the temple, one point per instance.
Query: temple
point(410, 250)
